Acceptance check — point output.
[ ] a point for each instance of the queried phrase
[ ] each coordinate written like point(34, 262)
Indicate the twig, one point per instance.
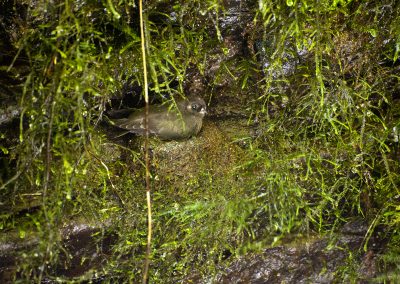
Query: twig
point(147, 158)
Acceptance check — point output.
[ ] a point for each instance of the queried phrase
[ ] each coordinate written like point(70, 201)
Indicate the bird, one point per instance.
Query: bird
point(166, 121)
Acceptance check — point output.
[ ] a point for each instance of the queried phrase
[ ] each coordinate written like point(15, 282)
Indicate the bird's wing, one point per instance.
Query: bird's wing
point(159, 119)
point(162, 122)
point(134, 123)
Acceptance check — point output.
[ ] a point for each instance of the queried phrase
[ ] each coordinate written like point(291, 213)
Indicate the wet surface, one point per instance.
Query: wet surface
point(314, 261)
point(84, 247)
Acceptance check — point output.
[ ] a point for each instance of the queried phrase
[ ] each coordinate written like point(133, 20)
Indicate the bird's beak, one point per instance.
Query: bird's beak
point(203, 111)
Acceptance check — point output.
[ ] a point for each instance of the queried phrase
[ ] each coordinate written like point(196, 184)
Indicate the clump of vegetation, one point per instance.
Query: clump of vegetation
point(317, 81)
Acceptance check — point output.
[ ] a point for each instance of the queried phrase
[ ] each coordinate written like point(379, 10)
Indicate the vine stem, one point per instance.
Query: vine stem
point(146, 149)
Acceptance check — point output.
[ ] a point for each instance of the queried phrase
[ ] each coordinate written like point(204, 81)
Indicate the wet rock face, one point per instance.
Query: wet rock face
point(316, 261)
point(82, 251)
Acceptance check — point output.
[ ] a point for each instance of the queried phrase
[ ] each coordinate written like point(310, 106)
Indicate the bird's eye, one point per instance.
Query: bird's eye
point(196, 107)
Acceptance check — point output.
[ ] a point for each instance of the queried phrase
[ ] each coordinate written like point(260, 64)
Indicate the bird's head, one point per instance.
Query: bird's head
point(196, 106)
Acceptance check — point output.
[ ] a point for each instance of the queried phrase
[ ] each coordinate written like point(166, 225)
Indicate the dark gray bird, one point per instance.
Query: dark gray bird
point(166, 121)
